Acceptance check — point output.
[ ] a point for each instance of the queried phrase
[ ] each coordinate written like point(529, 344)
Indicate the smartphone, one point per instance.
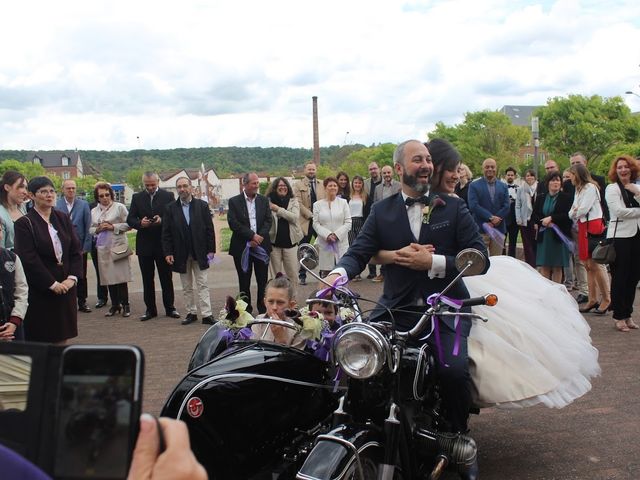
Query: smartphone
point(98, 411)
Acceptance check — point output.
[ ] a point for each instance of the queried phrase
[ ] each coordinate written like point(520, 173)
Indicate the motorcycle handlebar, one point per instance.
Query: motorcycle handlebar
point(489, 300)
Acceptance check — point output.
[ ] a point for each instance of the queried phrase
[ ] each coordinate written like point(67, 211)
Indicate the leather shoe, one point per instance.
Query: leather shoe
point(100, 303)
point(190, 318)
point(472, 473)
point(302, 281)
point(148, 316)
point(84, 308)
point(208, 320)
point(582, 298)
point(173, 313)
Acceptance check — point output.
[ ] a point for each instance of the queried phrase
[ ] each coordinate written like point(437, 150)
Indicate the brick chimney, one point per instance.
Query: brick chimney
point(316, 136)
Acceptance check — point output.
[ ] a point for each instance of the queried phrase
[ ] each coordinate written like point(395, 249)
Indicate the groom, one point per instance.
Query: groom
point(400, 231)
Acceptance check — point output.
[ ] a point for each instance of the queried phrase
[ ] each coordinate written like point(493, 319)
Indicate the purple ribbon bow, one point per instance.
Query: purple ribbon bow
point(494, 234)
point(570, 244)
point(229, 334)
point(455, 304)
point(257, 252)
point(341, 281)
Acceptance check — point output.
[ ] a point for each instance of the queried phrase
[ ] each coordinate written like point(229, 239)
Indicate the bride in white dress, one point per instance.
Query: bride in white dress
point(536, 347)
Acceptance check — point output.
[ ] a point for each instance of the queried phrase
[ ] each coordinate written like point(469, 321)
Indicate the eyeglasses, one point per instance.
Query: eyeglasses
point(104, 195)
point(47, 192)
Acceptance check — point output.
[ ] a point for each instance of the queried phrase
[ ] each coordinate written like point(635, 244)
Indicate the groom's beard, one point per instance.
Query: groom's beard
point(412, 180)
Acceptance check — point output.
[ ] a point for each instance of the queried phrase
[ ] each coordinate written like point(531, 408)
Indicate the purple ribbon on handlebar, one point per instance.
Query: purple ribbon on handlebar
point(570, 244)
point(494, 234)
point(341, 281)
point(455, 304)
point(258, 252)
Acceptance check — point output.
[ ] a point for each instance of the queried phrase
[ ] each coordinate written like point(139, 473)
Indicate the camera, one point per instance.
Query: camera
point(73, 411)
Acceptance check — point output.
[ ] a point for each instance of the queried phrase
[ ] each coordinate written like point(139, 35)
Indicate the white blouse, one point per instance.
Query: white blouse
point(356, 206)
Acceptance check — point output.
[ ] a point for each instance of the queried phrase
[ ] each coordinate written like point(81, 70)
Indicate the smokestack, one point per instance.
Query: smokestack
point(316, 136)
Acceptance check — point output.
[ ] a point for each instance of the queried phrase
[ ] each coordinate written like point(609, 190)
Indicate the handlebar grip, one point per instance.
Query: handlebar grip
point(489, 300)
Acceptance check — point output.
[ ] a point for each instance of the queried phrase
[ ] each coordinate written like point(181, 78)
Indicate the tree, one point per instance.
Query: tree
point(591, 125)
point(484, 134)
point(28, 169)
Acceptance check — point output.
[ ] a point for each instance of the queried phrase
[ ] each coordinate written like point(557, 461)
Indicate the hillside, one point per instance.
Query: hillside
point(225, 160)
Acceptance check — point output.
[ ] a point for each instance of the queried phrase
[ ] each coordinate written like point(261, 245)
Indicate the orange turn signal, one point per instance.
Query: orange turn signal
point(491, 300)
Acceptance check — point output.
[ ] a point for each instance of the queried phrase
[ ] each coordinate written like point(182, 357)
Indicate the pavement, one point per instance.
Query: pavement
point(596, 437)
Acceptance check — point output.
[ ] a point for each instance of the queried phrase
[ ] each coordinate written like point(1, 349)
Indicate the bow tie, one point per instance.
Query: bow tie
point(410, 201)
point(512, 186)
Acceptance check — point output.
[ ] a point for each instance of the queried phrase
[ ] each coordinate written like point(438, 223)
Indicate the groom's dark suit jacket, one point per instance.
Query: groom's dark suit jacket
point(451, 229)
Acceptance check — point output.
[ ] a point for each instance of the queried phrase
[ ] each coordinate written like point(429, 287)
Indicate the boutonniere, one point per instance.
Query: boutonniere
point(436, 202)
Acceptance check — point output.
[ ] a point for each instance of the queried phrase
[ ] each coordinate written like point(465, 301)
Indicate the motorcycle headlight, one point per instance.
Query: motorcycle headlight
point(361, 351)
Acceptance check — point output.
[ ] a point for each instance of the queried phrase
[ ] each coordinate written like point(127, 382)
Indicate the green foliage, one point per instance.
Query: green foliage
point(28, 169)
point(482, 135)
point(591, 125)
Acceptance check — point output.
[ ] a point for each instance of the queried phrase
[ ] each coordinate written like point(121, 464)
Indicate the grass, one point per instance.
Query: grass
point(225, 233)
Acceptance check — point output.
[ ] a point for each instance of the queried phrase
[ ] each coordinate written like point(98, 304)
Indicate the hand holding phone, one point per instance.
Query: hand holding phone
point(176, 461)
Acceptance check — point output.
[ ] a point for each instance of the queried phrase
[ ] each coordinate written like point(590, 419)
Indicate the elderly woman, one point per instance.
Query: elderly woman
point(52, 259)
point(109, 224)
point(587, 212)
point(332, 223)
point(285, 230)
point(623, 200)
point(552, 208)
point(13, 193)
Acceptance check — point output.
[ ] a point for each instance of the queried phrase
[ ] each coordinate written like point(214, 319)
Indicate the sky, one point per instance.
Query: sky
point(121, 75)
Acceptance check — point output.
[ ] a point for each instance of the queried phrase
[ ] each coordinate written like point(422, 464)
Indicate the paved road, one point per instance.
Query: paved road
point(596, 437)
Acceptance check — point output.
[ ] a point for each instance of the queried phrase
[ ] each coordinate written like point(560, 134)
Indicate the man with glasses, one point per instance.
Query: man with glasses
point(188, 244)
point(145, 215)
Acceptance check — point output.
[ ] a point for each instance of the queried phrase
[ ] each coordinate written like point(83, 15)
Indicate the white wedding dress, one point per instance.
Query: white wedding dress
point(535, 348)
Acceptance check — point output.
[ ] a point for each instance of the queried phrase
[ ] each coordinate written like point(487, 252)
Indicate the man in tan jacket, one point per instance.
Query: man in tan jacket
point(307, 190)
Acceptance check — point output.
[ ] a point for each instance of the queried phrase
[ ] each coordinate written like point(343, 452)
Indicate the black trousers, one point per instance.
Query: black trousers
point(119, 294)
point(101, 290)
point(625, 274)
point(512, 238)
point(244, 280)
point(82, 282)
point(302, 273)
point(148, 263)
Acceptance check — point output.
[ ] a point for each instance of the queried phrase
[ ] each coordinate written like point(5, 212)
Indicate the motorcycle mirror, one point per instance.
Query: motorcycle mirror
point(308, 256)
point(470, 261)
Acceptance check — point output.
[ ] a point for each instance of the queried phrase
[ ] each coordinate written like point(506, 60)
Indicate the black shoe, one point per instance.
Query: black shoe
point(113, 310)
point(208, 320)
point(126, 311)
point(84, 308)
point(173, 313)
point(371, 276)
point(190, 318)
point(100, 303)
point(302, 281)
point(472, 473)
point(581, 298)
point(148, 316)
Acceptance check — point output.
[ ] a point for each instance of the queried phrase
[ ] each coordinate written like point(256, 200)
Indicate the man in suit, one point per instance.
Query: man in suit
point(580, 270)
point(145, 215)
point(250, 219)
point(512, 225)
point(370, 186)
point(489, 203)
point(80, 213)
point(399, 232)
point(389, 186)
point(188, 244)
point(307, 190)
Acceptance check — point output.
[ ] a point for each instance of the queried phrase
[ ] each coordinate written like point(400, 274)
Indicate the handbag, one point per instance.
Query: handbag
point(604, 251)
point(596, 233)
point(121, 251)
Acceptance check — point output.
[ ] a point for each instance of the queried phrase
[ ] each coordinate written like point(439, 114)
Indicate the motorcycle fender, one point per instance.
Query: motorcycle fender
point(335, 452)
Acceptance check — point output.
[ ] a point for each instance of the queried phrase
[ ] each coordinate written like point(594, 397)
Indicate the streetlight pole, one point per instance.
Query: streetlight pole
point(629, 92)
point(535, 132)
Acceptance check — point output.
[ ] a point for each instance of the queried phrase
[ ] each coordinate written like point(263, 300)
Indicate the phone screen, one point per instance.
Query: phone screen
point(98, 411)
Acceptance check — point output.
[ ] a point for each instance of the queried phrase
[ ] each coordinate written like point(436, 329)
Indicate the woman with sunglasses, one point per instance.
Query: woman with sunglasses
point(52, 259)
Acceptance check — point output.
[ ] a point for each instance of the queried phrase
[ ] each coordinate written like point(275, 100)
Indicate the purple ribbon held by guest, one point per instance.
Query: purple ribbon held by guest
point(494, 234)
point(570, 244)
point(456, 305)
point(332, 247)
point(257, 252)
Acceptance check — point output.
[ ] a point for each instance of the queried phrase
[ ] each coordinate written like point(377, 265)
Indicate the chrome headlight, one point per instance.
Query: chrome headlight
point(361, 350)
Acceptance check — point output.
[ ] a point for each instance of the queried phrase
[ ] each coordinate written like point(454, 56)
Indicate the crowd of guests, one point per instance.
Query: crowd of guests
point(45, 247)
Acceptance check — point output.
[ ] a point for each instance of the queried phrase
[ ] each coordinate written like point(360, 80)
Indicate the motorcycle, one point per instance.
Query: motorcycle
point(258, 409)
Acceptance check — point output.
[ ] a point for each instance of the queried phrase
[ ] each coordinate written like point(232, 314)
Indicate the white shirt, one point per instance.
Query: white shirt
point(251, 208)
point(69, 205)
point(356, 207)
